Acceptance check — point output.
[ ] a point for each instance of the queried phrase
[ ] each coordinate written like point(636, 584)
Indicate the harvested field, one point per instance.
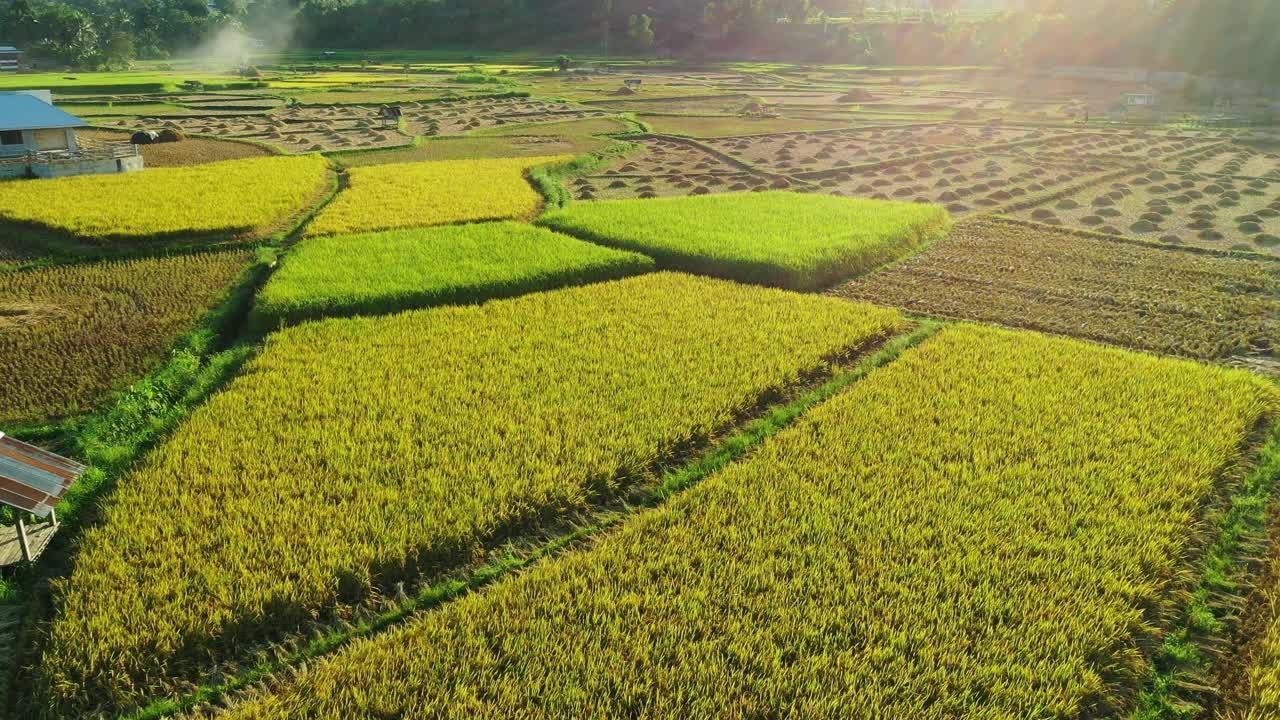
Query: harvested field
point(991, 509)
point(1150, 146)
point(470, 147)
point(1239, 160)
point(192, 151)
point(1143, 297)
point(424, 436)
point(780, 239)
point(670, 168)
point(1214, 212)
point(811, 152)
point(297, 130)
point(70, 334)
point(451, 118)
point(964, 184)
point(714, 103)
point(731, 125)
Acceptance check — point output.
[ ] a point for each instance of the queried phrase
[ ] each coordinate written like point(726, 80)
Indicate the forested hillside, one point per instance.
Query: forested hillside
point(1224, 37)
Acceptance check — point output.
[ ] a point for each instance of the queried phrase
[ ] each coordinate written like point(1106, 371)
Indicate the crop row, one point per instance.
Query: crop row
point(407, 195)
point(1008, 557)
point(70, 333)
point(1065, 282)
point(406, 269)
point(780, 239)
point(230, 198)
point(354, 453)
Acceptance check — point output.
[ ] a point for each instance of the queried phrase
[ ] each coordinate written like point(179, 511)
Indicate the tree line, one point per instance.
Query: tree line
point(1233, 38)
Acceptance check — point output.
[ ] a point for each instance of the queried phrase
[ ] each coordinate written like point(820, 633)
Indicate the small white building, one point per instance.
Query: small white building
point(38, 139)
point(29, 122)
point(1141, 99)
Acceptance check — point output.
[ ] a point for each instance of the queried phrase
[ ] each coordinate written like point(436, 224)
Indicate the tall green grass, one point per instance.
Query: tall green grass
point(780, 239)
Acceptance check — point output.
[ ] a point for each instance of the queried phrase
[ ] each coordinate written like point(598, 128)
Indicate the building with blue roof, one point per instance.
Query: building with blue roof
point(38, 139)
point(30, 123)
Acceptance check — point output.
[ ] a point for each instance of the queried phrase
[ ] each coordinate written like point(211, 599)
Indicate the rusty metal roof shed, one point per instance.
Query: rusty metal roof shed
point(32, 479)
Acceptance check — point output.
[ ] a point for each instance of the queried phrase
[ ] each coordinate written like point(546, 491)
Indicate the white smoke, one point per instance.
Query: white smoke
point(235, 47)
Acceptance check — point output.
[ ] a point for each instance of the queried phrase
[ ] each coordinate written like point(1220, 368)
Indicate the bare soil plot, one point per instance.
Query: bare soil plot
point(1055, 280)
point(1214, 212)
point(192, 151)
point(671, 168)
point(973, 182)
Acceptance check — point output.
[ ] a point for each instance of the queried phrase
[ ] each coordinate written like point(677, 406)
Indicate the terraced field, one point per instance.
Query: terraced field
point(469, 443)
point(70, 334)
point(406, 195)
point(777, 239)
point(850, 569)
point(1068, 283)
point(430, 434)
point(234, 199)
point(963, 183)
point(1214, 212)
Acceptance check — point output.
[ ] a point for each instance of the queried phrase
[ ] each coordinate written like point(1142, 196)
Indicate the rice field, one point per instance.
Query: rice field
point(1051, 279)
point(69, 334)
point(422, 437)
point(1008, 559)
point(407, 195)
point(405, 269)
point(528, 420)
point(221, 200)
point(779, 239)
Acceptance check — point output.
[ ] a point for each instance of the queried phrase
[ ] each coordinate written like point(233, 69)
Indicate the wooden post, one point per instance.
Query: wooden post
point(53, 517)
point(22, 539)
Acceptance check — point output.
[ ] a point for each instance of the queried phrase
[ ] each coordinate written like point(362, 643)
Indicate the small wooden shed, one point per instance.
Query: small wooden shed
point(32, 481)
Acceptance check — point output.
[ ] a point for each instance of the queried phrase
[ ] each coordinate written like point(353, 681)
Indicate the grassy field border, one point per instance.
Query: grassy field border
point(728, 450)
point(549, 180)
point(1181, 684)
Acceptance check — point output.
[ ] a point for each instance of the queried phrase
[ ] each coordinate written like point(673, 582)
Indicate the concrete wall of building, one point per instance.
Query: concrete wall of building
point(67, 168)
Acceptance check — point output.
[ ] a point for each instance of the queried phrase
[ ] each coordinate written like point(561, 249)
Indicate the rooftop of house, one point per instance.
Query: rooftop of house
point(19, 111)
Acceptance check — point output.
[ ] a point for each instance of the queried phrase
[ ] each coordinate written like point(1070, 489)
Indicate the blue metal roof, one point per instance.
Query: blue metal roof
point(19, 111)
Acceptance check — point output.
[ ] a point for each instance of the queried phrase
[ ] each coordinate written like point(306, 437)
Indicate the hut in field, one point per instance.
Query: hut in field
point(29, 122)
point(32, 483)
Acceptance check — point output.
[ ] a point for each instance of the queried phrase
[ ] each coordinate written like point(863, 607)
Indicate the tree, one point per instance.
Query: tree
point(640, 31)
point(606, 17)
point(68, 35)
point(118, 49)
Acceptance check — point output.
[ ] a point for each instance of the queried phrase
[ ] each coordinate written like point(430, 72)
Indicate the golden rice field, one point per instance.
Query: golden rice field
point(222, 199)
point(407, 195)
point(69, 334)
point(1009, 556)
point(353, 453)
